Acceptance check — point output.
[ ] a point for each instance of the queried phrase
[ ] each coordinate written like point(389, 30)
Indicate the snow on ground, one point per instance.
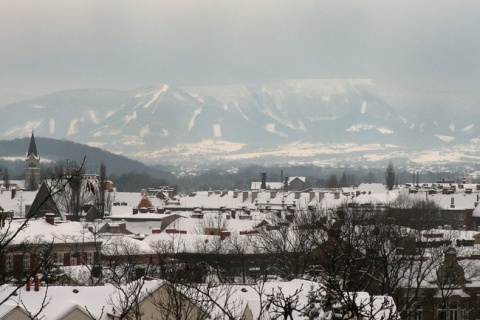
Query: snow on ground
point(130, 117)
point(23, 129)
point(73, 127)
point(364, 107)
point(191, 124)
point(444, 138)
point(156, 95)
point(93, 116)
point(52, 125)
point(217, 130)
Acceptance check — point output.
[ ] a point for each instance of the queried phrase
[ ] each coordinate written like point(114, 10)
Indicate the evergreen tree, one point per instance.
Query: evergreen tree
point(6, 179)
point(390, 176)
point(343, 180)
point(332, 181)
point(313, 309)
point(370, 178)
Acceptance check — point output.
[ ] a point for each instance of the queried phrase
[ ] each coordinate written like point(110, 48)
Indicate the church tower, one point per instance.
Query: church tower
point(32, 166)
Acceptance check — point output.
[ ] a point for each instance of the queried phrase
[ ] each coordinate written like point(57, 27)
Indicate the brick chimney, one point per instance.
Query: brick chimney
point(224, 234)
point(264, 181)
point(27, 285)
point(37, 283)
point(50, 218)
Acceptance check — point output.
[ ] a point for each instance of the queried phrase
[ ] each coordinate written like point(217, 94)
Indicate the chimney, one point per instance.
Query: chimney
point(14, 192)
point(27, 285)
point(50, 218)
point(37, 284)
point(264, 181)
point(285, 184)
point(452, 202)
point(224, 235)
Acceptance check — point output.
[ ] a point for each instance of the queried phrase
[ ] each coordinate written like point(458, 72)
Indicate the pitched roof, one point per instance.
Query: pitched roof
point(32, 149)
point(95, 300)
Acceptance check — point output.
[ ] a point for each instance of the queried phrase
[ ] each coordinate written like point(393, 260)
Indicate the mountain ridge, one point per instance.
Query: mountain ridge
point(255, 122)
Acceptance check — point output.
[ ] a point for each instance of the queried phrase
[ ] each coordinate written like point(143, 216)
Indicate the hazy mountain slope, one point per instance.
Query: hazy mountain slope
point(55, 150)
point(62, 114)
point(281, 119)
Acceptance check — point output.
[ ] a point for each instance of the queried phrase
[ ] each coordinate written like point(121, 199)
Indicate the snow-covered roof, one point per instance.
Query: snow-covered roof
point(130, 198)
point(384, 197)
point(122, 245)
point(37, 230)
point(251, 296)
point(476, 211)
point(94, 300)
point(274, 185)
point(121, 210)
point(460, 200)
point(18, 202)
point(372, 188)
point(216, 220)
point(179, 243)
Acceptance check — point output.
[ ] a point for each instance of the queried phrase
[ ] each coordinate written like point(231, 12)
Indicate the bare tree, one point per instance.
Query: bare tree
point(290, 244)
point(11, 239)
point(284, 305)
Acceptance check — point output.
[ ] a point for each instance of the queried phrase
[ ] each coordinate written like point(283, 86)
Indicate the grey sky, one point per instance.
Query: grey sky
point(53, 45)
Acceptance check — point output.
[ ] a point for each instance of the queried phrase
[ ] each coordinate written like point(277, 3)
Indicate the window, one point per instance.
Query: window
point(463, 312)
point(26, 261)
point(418, 312)
point(73, 259)
point(90, 258)
point(9, 262)
point(454, 311)
point(442, 312)
point(60, 258)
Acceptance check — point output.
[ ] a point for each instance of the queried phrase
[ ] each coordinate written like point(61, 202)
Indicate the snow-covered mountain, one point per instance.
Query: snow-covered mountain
point(322, 121)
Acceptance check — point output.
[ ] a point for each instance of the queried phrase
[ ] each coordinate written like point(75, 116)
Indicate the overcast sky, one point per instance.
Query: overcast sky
point(47, 46)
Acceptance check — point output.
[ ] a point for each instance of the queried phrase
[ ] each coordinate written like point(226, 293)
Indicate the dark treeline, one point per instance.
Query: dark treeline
point(219, 177)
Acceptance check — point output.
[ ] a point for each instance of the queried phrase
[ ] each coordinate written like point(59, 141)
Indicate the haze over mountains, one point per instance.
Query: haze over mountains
point(295, 121)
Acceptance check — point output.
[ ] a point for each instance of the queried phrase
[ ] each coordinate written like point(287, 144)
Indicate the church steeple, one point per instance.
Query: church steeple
point(32, 166)
point(32, 149)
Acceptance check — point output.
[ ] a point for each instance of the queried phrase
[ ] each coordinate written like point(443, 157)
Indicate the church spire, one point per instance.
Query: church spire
point(32, 166)
point(32, 149)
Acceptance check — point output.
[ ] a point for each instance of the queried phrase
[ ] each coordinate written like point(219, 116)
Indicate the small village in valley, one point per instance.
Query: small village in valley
point(72, 247)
